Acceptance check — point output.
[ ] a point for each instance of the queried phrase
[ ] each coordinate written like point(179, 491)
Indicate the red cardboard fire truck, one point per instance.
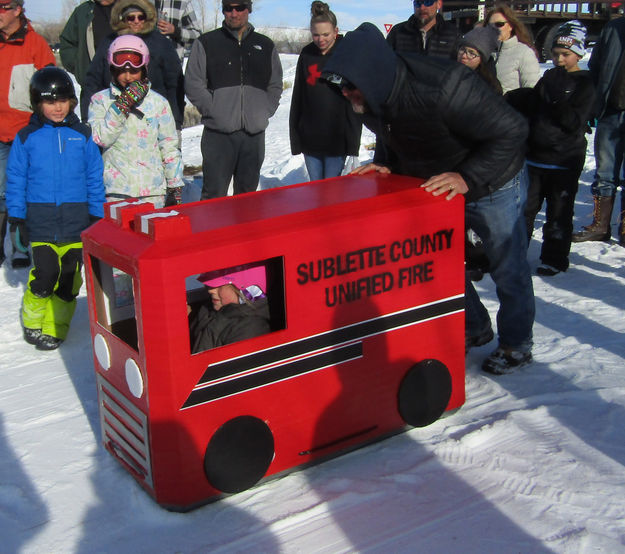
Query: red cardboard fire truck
point(364, 281)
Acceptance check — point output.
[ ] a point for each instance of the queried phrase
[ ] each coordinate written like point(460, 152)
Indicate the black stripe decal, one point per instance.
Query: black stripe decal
point(272, 375)
point(329, 339)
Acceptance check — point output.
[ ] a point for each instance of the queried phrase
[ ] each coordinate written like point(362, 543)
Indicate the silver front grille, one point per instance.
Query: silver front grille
point(125, 430)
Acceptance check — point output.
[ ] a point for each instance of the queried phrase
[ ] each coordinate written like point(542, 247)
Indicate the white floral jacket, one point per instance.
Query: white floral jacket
point(141, 155)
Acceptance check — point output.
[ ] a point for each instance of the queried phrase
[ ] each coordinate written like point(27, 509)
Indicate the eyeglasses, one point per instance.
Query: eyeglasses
point(132, 18)
point(426, 3)
point(237, 8)
point(499, 24)
point(470, 54)
point(7, 7)
point(127, 58)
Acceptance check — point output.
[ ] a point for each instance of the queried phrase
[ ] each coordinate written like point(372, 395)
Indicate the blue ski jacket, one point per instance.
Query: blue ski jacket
point(54, 179)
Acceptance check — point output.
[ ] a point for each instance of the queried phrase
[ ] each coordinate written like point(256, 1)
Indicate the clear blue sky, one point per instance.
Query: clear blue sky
point(282, 13)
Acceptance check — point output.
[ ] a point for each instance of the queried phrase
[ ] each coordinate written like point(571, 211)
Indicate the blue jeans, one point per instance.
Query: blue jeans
point(4, 158)
point(324, 167)
point(609, 148)
point(498, 220)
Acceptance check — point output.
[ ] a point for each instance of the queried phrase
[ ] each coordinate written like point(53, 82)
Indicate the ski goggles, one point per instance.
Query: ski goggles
point(124, 58)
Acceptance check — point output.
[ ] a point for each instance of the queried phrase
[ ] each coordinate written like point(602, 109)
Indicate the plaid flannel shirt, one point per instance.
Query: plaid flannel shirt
point(182, 15)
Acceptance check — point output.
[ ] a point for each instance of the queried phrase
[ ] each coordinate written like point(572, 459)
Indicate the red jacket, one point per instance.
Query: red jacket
point(22, 54)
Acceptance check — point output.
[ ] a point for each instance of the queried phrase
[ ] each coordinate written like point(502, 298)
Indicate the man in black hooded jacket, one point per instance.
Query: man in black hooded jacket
point(437, 120)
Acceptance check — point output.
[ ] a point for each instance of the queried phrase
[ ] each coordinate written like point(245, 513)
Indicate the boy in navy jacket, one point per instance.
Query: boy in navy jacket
point(54, 191)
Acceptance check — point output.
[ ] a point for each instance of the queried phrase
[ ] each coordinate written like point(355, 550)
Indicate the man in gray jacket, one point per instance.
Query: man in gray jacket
point(234, 79)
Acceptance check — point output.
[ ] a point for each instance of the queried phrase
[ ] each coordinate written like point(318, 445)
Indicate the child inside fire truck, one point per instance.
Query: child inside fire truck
point(237, 310)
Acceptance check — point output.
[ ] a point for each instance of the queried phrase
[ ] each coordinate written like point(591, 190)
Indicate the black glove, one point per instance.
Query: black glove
point(173, 197)
point(558, 84)
point(132, 95)
point(19, 233)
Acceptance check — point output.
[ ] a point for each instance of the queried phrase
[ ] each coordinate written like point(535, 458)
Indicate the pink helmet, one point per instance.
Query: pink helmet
point(128, 50)
point(241, 277)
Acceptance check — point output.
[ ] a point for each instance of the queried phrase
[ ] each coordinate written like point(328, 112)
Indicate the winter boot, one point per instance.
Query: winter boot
point(31, 336)
point(506, 360)
point(48, 342)
point(3, 234)
point(599, 229)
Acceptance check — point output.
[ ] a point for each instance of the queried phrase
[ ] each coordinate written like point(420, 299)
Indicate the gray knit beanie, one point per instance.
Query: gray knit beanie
point(484, 39)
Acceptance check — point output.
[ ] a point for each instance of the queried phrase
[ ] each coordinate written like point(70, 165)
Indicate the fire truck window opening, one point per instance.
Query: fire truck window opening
point(197, 294)
point(239, 454)
point(424, 393)
point(114, 300)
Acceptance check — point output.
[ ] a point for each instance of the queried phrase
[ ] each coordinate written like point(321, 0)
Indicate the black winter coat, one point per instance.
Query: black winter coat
point(442, 39)
point(232, 323)
point(164, 72)
point(558, 108)
point(320, 122)
point(440, 117)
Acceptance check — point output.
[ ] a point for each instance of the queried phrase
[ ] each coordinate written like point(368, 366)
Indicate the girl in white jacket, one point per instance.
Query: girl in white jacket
point(135, 127)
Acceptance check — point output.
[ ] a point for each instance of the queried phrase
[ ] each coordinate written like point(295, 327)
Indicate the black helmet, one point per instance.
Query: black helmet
point(50, 83)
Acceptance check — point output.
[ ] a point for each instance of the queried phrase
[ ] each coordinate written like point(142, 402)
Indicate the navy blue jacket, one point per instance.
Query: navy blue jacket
point(54, 179)
point(605, 61)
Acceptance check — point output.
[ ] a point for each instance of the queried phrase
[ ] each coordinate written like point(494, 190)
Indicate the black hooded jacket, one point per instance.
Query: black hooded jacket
point(234, 322)
point(432, 115)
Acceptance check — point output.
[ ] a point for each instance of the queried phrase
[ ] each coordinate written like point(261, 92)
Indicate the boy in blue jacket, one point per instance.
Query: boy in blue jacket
point(54, 191)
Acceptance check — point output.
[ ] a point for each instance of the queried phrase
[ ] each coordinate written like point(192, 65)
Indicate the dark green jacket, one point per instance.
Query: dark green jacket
point(77, 46)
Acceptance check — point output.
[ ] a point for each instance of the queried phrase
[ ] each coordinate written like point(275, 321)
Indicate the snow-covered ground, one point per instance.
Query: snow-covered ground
point(533, 462)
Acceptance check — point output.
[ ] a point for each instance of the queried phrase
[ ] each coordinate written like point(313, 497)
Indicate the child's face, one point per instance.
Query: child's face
point(55, 110)
point(562, 57)
point(128, 75)
point(223, 295)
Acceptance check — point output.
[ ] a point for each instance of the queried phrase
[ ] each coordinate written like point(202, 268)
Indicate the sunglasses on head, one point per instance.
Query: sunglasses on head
point(131, 18)
point(237, 8)
point(426, 3)
point(127, 58)
point(499, 24)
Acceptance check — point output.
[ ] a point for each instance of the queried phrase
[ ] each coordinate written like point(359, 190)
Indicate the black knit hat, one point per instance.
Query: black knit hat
point(484, 39)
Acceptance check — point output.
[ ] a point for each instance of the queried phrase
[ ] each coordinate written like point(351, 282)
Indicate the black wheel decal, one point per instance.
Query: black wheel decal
point(239, 454)
point(424, 393)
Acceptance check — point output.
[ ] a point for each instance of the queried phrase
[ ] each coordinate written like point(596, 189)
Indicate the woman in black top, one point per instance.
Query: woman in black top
point(322, 124)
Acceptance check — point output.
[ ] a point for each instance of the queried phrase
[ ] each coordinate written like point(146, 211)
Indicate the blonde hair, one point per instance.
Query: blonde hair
point(320, 13)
